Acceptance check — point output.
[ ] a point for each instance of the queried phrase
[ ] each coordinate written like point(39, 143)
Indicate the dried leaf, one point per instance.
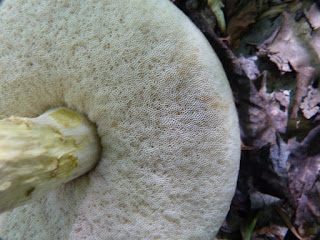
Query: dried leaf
point(313, 16)
point(273, 231)
point(266, 114)
point(296, 47)
point(260, 200)
point(304, 80)
point(240, 20)
point(279, 154)
point(310, 103)
point(240, 14)
point(249, 66)
point(286, 219)
point(304, 182)
point(271, 167)
point(289, 47)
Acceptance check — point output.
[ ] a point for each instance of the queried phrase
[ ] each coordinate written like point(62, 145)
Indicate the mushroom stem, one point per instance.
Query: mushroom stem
point(40, 154)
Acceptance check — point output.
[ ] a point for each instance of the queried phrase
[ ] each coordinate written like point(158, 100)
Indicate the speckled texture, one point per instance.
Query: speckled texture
point(150, 81)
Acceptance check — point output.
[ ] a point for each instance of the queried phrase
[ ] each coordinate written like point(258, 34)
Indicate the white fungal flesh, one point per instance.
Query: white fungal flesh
point(150, 81)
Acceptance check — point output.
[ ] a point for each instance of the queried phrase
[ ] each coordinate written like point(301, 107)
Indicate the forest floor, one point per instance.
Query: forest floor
point(270, 50)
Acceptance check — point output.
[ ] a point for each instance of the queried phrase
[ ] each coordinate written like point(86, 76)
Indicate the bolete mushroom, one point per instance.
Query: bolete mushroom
point(149, 81)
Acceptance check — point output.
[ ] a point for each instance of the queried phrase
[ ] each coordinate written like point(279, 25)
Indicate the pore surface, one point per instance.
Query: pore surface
point(148, 79)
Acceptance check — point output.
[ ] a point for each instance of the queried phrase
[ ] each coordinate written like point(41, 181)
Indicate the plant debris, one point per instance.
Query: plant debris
point(272, 60)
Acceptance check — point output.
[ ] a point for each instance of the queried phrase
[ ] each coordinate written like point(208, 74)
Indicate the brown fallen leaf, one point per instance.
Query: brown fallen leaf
point(240, 19)
point(272, 169)
point(249, 66)
point(266, 116)
point(289, 49)
point(272, 230)
point(313, 16)
point(286, 219)
point(260, 200)
point(305, 76)
point(311, 103)
point(304, 182)
point(241, 14)
point(295, 48)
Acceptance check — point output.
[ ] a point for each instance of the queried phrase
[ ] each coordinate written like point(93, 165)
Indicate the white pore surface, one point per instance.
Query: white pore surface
point(150, 81)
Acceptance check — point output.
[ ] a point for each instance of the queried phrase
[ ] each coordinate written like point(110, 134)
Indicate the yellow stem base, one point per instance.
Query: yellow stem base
point(39, 154)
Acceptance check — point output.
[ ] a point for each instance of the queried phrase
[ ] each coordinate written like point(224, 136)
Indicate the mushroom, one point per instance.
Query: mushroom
point(149, 81)
point(38, 155)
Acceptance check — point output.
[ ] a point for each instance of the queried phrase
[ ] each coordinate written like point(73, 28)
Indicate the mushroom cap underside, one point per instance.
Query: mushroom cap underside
point(150, 81)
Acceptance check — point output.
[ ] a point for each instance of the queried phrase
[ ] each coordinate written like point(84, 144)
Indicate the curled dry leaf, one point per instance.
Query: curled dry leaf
point(259, 200)
point(267, 113)
point(239, 20)
point(290, 48)
point(296, 47)
point(313, 17)
point(272, 230)
point(310, 105)
point(272, 166)
point(304, 182)
point(249, 66)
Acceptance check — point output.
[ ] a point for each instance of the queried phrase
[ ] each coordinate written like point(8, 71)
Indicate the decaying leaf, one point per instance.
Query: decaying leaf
point(290, 48)
point(280, 166)
point(311, 103)
point(296, 47)
point(305, 76)
point(249, 66)
point(240, 14)
point(279, 153)
point(287, 220)
point(263, 124)
point(313, 17)
point(260, 200)
point(266, 117)
point(304, 182)
point(274, 231)
point(240, 19)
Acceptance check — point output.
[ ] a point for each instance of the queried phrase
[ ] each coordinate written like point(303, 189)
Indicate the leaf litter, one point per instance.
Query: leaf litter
point(272, 60)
